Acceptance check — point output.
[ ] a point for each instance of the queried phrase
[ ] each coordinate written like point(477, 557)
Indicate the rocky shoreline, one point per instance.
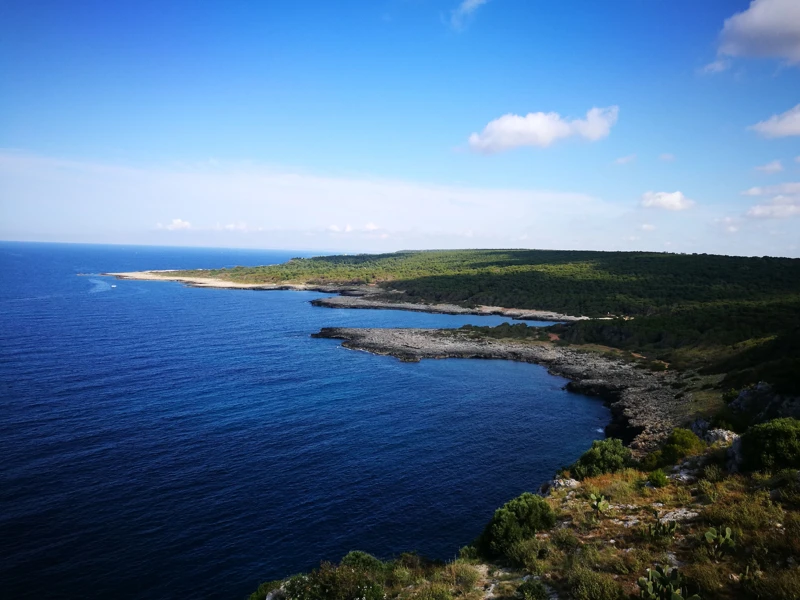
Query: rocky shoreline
point(370, 301)
point(643, 403)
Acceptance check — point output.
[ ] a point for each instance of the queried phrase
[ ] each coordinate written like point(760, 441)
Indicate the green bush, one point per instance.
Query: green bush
point(680, 444)
point(652, 461)
point(331, 582)
point(605, 456)
point(527, 553)
point(772, 445)
point(533, 590)
point(264, 589)
point(516, 520)
point(362, 561)
point(658, 478)
point(588, 585)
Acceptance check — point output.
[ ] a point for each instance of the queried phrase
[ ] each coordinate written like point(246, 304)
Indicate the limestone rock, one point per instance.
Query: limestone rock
point(722, 436)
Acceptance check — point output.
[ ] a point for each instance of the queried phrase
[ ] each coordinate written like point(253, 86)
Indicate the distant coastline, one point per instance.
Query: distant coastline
point(350, 296)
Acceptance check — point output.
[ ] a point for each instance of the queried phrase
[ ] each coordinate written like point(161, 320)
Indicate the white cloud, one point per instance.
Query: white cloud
point(175, 225)
point(460, 15)
point(542, 129)
point(717, 66)
point(785, 201)
point(647, 227)
point(666, 200)
point(797, 159)
point(782, 125)
point(624, 160)
point(774, 190)
point(667, 157)
point(771, 167)
point(779, 208)
point(768, 28)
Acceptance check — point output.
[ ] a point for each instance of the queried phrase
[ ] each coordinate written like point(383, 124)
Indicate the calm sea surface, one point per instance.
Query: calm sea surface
point(159, 441)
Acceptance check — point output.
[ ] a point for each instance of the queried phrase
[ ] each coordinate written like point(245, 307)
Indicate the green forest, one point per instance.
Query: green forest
point(728, 314)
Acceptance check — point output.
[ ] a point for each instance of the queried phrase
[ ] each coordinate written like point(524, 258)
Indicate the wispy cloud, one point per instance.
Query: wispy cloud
point(774, 166)
point(666, 201)
point(784, 201)
point(782, 125)
point(542, 129)
point(772, 190)
point(460, 15)
point(717, 66)
point(667, 157)
point(647, 227)
point(276, 207)
point(778, 208)
point(729, 224)
point(624, 160)
point(175, 225)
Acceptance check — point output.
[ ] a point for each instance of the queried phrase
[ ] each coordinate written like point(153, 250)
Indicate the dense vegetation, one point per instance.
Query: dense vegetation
point(734, 315)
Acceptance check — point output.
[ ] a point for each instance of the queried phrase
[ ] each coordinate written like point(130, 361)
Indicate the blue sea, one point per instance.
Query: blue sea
point(160, 441)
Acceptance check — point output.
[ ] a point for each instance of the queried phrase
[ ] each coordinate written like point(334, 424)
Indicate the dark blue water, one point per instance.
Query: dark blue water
point(159, 441)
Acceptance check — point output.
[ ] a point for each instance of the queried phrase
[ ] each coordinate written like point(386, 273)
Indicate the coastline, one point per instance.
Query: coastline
point(351, 296)
point(643, 405)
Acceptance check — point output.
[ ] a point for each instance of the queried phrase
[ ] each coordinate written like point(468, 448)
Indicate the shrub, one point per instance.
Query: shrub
point(516, 520)
point(527, 553)
point(459, 575)
point(772, 445)
point(565, 539)
point(588, 585)
point(778, 585)
point(680, 444)
point(605, 456)
point(433, 591)
point(713, 473)
point(468, 553)
point(331, 582)
point(264, 589)
point(708, 490)
point(658, 478)
point(652, 461)
point(744, 513)
point(533, 590)
point(362, 561)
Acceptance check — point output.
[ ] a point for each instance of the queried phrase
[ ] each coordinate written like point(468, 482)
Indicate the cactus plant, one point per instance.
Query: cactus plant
point(660, 529)
point(660, 584)
point(718, 542)
point(599, 503)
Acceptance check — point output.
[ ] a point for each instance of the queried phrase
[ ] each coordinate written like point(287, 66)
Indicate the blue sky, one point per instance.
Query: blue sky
point(390, 124)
